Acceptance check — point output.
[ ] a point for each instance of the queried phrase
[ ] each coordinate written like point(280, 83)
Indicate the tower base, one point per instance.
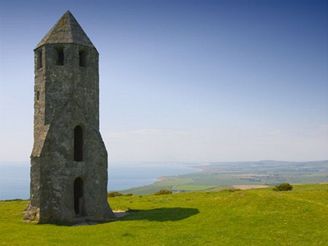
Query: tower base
point(32, 215)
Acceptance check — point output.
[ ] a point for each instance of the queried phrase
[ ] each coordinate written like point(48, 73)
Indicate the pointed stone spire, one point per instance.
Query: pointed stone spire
point(66, 30)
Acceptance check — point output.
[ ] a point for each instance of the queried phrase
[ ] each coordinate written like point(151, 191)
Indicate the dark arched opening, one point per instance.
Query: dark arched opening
point(82, 58)
point(78, 143)
point(60, 56)
point(78, 196)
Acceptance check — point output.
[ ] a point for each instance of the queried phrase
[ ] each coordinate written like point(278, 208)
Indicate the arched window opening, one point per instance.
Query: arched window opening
point(39, 58)
point(78, 196)
point(60, 56)
point(78, 143)
point(82, 58)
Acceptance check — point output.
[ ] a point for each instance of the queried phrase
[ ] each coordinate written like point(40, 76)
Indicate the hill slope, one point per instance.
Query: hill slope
point(252, 217)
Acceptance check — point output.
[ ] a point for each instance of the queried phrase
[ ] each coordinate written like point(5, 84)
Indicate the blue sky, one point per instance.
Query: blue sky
point(184, 80)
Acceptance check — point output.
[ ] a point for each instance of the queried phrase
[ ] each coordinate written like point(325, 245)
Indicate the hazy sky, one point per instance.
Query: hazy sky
point(184, 80)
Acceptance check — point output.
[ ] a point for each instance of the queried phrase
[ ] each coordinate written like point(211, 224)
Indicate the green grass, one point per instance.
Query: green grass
point(253, 217)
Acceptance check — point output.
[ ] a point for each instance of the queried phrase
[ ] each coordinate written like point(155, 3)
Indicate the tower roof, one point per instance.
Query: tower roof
point(66, 30)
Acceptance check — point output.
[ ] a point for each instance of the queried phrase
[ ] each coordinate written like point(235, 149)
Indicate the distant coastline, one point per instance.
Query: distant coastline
point(148, 177)
point(244, 175)
point(15, 177)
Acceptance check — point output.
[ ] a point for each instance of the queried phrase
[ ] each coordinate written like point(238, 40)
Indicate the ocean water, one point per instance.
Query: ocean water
point(15, 176)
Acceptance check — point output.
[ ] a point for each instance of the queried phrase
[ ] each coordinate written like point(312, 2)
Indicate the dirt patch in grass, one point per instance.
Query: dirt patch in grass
point(249, 187)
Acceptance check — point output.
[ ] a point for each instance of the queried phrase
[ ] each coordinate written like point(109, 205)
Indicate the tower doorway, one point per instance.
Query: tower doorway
point(78, 196)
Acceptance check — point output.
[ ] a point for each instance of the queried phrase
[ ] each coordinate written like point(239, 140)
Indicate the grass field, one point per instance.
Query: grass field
point(250, 217)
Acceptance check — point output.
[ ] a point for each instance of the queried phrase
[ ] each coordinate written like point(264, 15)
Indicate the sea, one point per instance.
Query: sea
point(15, 176)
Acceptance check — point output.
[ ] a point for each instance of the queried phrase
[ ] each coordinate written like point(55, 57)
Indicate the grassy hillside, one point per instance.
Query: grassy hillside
point(252, 217)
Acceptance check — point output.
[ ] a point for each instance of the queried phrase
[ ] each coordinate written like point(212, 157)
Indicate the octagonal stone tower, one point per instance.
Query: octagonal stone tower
point(69, 158)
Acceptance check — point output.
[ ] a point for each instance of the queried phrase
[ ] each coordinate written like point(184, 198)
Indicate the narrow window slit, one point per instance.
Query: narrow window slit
point(78, 143)
point(60, 56)
point(82, 58)
point(39, 59)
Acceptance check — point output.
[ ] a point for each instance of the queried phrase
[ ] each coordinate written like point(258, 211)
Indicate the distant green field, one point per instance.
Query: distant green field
point(252, 217)
point(225, 175)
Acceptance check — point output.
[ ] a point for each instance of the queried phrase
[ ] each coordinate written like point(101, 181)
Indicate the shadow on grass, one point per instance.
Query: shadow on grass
point(160, 214)
point(156, 214)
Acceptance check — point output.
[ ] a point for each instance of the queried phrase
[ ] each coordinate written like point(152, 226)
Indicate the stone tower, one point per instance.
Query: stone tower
point(69, 158)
